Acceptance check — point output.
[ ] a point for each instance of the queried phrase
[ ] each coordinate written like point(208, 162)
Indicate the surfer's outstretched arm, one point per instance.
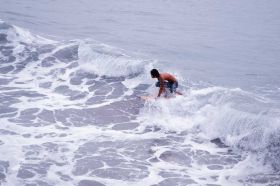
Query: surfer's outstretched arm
point(161, 86)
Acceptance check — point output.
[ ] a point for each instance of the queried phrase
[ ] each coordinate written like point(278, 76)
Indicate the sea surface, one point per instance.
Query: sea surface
point(72, 74)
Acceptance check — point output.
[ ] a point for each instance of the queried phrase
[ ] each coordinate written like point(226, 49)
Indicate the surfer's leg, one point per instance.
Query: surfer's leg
point(170, 86)
point(175, 86)
point(166, 85)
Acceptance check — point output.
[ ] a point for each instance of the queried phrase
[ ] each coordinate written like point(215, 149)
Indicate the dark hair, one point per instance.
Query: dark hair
point(154, 73)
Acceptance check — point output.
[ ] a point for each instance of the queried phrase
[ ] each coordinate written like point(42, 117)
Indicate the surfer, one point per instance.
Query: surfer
point(165, 80)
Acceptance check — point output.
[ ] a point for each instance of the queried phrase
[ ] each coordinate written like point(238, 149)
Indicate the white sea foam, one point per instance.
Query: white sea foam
point(17, 34)
point(247, 123)
point(219, 113)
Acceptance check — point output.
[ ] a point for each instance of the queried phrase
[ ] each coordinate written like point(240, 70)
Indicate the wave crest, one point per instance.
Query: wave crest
point(104, 60)
point(13, 34)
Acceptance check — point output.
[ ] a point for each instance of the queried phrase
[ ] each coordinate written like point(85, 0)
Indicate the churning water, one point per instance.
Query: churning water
point(70, 110)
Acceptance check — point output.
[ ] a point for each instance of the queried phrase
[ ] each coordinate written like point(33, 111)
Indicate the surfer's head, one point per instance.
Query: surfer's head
point(154, 73)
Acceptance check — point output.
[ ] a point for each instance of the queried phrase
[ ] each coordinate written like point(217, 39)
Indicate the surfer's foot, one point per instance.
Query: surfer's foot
point(179, 93)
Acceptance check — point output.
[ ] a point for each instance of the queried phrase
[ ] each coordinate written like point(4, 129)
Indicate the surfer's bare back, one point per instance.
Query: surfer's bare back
point(165, 80)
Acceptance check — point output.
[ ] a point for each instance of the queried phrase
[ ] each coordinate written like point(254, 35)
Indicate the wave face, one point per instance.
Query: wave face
point(71, 115)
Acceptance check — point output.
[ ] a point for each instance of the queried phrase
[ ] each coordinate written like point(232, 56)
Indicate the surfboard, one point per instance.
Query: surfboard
point(150, 97)
point(146, 98)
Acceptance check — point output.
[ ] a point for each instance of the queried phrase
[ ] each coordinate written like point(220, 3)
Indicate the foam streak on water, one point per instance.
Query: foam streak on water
point(71, 115)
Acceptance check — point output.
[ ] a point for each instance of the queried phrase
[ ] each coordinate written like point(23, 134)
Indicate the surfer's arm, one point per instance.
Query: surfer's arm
point(161, 86)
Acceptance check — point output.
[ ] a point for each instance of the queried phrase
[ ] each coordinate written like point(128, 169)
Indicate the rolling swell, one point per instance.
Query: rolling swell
point(74, 105)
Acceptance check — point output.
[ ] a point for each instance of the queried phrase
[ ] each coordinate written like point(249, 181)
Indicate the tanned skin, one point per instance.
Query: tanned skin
point(165, 77)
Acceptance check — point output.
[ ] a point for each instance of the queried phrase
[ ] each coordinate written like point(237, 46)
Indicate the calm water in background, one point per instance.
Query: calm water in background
point(229, 43)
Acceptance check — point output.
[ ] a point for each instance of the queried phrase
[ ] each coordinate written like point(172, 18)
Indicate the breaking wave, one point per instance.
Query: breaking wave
point(242, 120)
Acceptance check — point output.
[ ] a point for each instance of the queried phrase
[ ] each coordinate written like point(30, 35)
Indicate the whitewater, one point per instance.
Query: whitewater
point(71, 112)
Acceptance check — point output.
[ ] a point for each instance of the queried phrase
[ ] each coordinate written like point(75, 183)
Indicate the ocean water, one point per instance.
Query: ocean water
point(72, 74)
